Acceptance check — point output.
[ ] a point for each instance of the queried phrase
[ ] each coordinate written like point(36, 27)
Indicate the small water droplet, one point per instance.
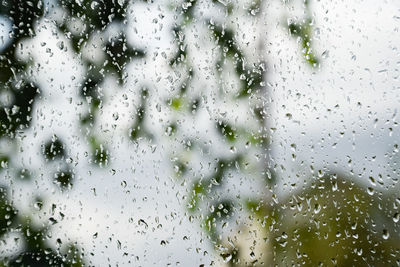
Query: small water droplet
point(115, 116)
point(61, 45)
point(158, 107)
point(325, 54)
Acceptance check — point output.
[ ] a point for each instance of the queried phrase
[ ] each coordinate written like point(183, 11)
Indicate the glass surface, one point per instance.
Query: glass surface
point(199, 133)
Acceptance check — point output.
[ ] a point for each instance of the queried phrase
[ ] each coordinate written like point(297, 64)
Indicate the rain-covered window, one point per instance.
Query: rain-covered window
point(199, 133)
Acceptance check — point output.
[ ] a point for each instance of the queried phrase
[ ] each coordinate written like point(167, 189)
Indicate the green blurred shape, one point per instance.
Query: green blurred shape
point(251, 78)
point(64, 178)
point(181, 53)
point(18, 115)
point(37, 253)
point(198, 189)
point(221, 210)
point(54, 149)
point(100, 153)
point(23, 14)
point(304, 32)
point(119, 53)
point(7, 212)
point(335, 222)
point(96, 14)
point(227, 131)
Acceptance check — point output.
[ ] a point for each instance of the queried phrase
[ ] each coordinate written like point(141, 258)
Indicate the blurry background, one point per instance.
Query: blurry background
point(226, 133)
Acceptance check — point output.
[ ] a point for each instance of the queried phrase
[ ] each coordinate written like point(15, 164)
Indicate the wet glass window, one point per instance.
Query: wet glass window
point(199, 133)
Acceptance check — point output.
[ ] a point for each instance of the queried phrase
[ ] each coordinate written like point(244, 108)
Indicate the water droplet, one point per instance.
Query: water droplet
point(317, 208)
point(60, 45)
point(385, 234)
point(325, 54)
point(169, 131)
point(227, 257)
point(38, 205)
point(283, 243)
point(334, 186)
point(115, 116)
point(93, 5)
point(396, 217)
point(370, 191)
point(372, 180)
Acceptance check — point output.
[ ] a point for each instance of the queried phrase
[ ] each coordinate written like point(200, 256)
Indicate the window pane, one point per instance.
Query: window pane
point(198, 133)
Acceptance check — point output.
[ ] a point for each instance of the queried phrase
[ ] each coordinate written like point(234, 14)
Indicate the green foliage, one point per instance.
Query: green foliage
point(100, 154)
point(227, 131)
point(251, 78)
point(303, 31)
point(119, 53)
point(7, 212)
point(23, 174)
point(18, 116)
point(90, 87)
point(188, 8)
point(181, 53)
point(35, 251)
point(95, 17)
point(138, 128)
point(335, 221)
point(23, 14)
point(54, 149)
point(219, 213)
point(4, 161)
point(64, 178)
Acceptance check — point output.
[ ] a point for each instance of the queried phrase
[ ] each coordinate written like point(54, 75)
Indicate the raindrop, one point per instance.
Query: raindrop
point(396, 217)
point(115, 115)
point(370, 191)
point(317, 208)
point(325, 54)
point(385, 234)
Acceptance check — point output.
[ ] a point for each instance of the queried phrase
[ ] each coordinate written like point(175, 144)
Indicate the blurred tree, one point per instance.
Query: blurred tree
point(330, 221)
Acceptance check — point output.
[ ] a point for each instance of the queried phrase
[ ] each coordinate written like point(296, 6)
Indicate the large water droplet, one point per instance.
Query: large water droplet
point(385, 234)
